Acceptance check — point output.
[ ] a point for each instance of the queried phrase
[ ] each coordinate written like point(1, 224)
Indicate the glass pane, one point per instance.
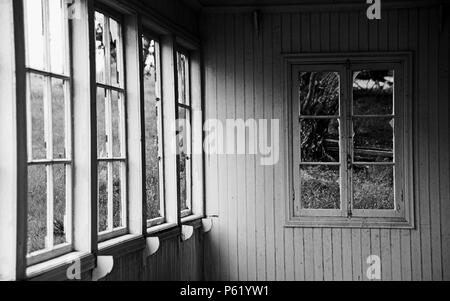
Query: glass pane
point(102, 196)
point(114, 34)
point(373, 92)
point(373, 187)
point(59, 195)
point(33, 15)
point(373, 139)
point(116, 123)
point(37, 111)
point(37, 208)
point(183, 141)
point(320, 187)
point(58, 36)
point(319, 140)
point(183, 84)
point(319, 93)
point(101, 124)
point(117, 194)
point(152, 152)
point(58, 119)
point(100, 47)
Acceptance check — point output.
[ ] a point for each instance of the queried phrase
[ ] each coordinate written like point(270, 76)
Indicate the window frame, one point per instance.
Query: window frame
point(189, 109)
point(402, 216)
point(150, 35)
point(121, 89)
point(50, 162)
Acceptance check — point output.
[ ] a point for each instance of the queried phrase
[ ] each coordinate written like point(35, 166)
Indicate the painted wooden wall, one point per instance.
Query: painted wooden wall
point(244, 79)
point(175, 261)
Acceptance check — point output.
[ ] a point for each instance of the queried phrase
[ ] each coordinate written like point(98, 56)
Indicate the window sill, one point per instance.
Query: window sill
point(56, 269)
point(344, 222)
point(121, 246)
point(191, 218)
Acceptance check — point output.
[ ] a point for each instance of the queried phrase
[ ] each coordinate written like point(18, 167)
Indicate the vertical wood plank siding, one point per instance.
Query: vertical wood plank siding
point(244, 79)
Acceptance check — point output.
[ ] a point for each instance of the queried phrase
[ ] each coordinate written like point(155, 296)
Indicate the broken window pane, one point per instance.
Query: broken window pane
point(152, 129)
point(320, 187)
point(373, 139)
point(100, 49)
point(183, 78)
point(183, 141)
point(373, 92)
point(319, 140)
point(373, 187)
point(114, 55)
point(319, 93)
point(37, 208)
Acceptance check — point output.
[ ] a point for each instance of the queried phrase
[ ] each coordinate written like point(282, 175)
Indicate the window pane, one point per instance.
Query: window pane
point(117, 194)
point(183, 78)
point(59, 194)
point(57, 26)
point(183, 140)
point(373, 140)
point(101, 124)
point(373, 187)
point(319, 93)
point(320, 187)
point(102, 196)
point(33, 15)
point(37, 208)
point(373, 92)
point(152, 130)
point(100, 47)
point(116, 123)
point(115, 54)
point(58, 119)
point(319, 140)
point(36, 102)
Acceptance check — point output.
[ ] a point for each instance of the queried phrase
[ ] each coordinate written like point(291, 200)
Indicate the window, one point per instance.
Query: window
point(49, 129)
point(350, 129)
point(111, 139)
point(153, 132)
point(184, 138)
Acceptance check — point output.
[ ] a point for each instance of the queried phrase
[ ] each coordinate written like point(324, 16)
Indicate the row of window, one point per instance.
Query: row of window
point(50, 129)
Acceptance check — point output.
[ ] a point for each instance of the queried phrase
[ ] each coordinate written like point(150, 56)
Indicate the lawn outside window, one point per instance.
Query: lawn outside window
point(351, 141)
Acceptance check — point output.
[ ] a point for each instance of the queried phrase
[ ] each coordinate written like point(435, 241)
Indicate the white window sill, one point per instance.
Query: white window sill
point(160, 228)
point(191, 218)
point(56, 269)
point(122, 245)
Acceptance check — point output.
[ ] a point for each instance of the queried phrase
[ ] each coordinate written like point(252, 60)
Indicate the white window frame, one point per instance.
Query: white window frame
point(160, 129)
point(51, 251)
point(403, 214)
point(188, 107)
point(109, 88)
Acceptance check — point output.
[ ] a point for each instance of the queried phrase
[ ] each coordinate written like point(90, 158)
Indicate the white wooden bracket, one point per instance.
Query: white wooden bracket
point(207, 225)
point(105, 265)
point(152, 245)
point(186, 232)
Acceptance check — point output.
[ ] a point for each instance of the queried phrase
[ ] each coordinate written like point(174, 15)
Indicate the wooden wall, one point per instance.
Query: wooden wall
point(244, 79)
point(175, 261)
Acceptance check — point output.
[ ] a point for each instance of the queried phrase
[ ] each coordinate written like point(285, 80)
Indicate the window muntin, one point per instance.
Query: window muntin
point(154, 172)
point(184, 135)
point(49, 129)
point(111, 130)
point(369, 143)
